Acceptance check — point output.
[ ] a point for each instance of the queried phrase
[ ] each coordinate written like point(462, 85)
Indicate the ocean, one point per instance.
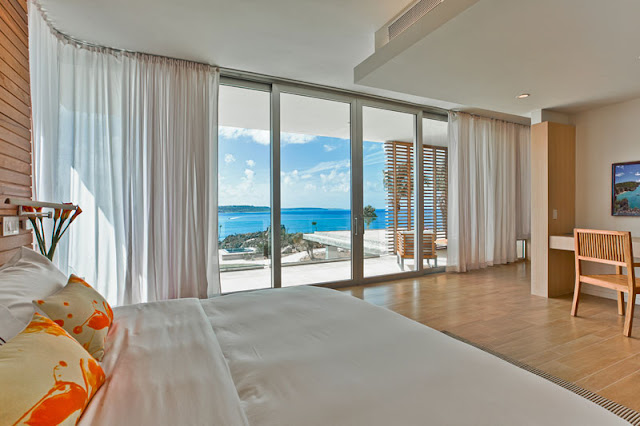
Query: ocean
point(632, 196)
point(294, 220)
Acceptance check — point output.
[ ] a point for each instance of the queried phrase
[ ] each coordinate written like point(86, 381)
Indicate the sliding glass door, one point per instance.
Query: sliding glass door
point(244, 173)
point(389, 191)
point(435, 172)
point(318, 187)
point(315, 161)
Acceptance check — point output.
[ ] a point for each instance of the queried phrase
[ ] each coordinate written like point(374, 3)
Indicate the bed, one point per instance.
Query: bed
point(311, 356)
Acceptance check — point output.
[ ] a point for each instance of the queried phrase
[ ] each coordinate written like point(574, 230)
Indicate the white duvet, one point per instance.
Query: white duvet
point(164, 367)
point(311, 356)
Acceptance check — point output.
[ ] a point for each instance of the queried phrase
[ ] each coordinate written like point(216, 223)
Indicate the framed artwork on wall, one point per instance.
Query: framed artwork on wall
point(625, 189)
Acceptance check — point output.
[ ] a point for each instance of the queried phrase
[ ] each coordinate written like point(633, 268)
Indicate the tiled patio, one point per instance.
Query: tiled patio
point(320, 271)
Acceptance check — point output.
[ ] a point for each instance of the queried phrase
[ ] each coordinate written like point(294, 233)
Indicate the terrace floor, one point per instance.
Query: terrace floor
point(301, 273)
point(494, 307)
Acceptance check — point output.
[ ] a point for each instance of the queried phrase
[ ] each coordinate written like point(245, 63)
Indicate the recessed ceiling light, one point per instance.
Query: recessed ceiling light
point(523, 95)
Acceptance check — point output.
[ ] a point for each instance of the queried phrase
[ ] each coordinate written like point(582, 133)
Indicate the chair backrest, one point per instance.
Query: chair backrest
point(429, 243)
point(610, 247)
point(406, 240)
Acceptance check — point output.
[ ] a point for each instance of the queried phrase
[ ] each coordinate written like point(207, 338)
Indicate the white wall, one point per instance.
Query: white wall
point(604, 136)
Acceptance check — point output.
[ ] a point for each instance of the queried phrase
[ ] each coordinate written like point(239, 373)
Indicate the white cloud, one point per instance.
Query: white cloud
point(328, 165)
point(263, 137)
point(619, 174)
point(290, 178)
point(376, 157)
point(329, 148)
point(295, 138)
point(229, 158)
point(637, 173)
point(246, 190)
point(250, 163)
point(335, 181)
point(310, 187)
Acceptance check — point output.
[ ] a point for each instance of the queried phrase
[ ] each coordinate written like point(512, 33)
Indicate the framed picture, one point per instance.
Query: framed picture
point(625, 189)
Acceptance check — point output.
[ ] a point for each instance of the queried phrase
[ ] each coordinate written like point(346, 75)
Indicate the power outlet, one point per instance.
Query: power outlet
point(10, 226)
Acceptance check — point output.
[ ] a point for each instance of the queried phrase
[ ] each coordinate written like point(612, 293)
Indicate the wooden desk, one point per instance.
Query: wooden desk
point(565, 242)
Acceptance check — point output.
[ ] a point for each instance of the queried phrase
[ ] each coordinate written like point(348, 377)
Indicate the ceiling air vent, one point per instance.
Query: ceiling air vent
point(414, 13)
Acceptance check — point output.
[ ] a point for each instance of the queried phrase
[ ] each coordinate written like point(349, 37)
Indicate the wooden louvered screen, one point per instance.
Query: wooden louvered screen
point(398, 180)
point(15, 118)
point(436, 179)
point(399, 183)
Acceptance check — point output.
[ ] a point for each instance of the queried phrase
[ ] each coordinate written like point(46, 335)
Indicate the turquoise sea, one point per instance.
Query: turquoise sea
point(294, 220)
point(633, 197)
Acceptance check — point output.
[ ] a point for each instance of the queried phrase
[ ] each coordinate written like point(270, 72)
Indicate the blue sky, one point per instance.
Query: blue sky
point(628, 173)
point(315, 170)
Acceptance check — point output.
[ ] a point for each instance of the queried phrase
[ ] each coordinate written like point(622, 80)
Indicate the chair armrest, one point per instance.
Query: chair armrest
point(636, 264)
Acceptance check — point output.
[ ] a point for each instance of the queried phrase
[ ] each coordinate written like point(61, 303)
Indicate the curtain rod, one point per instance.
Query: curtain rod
point(455, 111)
point(230, 72)
point(110, 50)
point(257, 77)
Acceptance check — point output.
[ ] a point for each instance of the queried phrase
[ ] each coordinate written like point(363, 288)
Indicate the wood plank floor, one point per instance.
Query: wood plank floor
point(494, 308)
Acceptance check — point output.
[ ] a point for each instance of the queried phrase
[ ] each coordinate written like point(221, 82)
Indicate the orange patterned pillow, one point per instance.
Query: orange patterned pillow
point(47, 377)
point(82, 312)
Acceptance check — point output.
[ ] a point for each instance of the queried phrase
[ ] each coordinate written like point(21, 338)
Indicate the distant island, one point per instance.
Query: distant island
point(260, 209)
point(626, 187)
point(621, 206)
point(243, 209)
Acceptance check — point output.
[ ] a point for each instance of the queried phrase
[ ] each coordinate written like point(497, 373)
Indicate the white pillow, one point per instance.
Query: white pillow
point(26, 277)
point(9, 326)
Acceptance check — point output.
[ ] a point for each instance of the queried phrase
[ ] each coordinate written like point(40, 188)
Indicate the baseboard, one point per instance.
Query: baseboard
point(602, 292)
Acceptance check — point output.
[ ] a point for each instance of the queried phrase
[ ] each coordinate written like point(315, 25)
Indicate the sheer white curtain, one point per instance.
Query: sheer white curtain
point(489, 192)
point(132, 139)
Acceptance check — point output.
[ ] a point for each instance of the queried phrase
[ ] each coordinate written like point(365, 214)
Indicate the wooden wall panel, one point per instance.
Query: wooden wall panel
point(553, 149)
point(15, 118)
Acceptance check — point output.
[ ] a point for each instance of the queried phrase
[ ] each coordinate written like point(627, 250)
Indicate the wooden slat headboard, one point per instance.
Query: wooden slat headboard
point(15, 118)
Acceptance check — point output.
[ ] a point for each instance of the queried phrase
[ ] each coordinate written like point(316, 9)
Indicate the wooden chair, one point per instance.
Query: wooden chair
point(405, 246)
point(611, 248)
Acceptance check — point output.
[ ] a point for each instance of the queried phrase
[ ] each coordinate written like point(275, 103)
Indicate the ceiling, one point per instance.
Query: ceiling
point(313, 41)
point(570, 55)
point(475, 55)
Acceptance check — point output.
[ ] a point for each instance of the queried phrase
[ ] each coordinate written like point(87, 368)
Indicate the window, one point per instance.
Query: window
point(342, 175)
point(244, 173)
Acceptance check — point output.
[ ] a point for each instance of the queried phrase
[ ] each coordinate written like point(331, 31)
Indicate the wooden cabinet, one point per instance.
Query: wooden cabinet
point(553, 195)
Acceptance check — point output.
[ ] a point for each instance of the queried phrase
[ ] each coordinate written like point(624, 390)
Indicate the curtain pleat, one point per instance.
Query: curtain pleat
point(132, 139)
point(489, 191)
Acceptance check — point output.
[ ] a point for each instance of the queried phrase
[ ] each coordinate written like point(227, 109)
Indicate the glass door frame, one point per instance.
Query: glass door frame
point(418, 180)
point(357, 103)
point(276, 196)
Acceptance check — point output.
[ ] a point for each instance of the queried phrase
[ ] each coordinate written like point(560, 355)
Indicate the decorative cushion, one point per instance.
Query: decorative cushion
point(9, 326)
point(82, 312)
point(47, 377)
point(27, 276)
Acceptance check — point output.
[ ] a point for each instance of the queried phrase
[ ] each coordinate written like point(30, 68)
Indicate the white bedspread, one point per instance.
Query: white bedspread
point(312, 356)
point(164, 366)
